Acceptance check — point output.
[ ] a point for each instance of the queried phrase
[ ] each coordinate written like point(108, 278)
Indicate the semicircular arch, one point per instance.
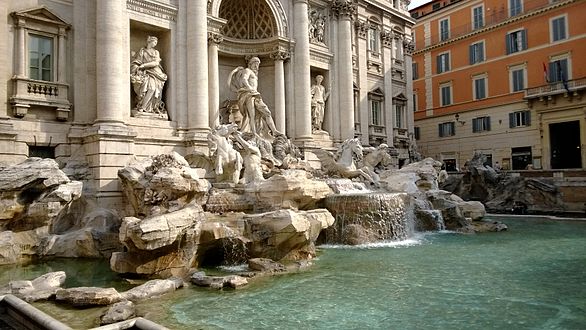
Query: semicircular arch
point(276, 8)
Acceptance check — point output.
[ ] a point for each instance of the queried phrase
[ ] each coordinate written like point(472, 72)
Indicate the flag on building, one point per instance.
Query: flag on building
point(562, 76)
point(545, 77)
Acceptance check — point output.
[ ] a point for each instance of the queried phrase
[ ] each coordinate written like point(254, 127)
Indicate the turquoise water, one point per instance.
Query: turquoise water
point(530, 277)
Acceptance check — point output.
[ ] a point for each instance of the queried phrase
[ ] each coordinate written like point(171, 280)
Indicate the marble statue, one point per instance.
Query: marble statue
point(319, 97)
point(147, 78)
point(344, 163)
point(375, 157)
point(251, 156)
point(222, 152)
point(256, 115)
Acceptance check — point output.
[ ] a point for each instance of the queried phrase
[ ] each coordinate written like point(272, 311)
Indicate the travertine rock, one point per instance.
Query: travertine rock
point(153, 288)
point(120, 311)
point(88, 296)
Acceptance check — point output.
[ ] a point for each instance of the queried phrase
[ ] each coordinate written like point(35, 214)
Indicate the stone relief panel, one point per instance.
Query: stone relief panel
point(317, 26)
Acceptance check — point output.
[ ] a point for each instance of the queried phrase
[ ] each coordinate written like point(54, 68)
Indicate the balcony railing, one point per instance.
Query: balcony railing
point(556, 88)
point(51, 94)
point(376, 130)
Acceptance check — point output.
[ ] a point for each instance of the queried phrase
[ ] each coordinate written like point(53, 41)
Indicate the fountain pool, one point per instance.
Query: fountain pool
point(530, 277)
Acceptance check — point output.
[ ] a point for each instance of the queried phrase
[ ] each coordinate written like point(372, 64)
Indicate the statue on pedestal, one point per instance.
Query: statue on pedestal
point(147, 78)
point(319, 96)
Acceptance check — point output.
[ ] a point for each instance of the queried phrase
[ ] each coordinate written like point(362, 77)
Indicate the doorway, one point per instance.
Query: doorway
point(565, 146)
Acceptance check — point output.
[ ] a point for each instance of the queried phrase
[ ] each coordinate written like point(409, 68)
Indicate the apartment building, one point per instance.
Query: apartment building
point(505, 78)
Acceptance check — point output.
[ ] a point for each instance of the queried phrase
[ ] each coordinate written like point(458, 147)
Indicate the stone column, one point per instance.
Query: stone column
point(214, 40)
point(20, 50)
point(302, 79)
point(279, 111)
point(197, 68)
point(387, 39)
point(61, 62)
point(112, 61)
point(344, 10)
point(180, 72)
point(362, 28)
point(408, 57)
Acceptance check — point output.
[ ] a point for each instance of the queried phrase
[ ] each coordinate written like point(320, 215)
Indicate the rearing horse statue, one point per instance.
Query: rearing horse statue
point(344, 163)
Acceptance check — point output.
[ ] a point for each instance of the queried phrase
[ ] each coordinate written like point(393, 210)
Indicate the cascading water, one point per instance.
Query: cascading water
point(235, 250)
point(368, 217)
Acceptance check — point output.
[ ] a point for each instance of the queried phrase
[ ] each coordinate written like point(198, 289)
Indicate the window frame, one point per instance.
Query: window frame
point(475, 79)
point(552, 36)
point(474, 22)
point(473, 52)
point(400, 114)
point(447, 129)
point(517, 9)
point(512, 70)
point(445, 64)
point(374, 39)
point(415, 70)
point(481, 124)
point(36, 35)
point(444, 35)
point(518, 34)
point(520, 119)
point(376, 98)
point(443, 102)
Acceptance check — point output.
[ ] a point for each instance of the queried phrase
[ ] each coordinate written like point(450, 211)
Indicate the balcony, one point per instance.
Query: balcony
point(375, 130)
point(29, 92)
point(570, 87)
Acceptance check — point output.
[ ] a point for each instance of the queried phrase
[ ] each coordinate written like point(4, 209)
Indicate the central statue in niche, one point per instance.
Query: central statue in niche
point(256, 116)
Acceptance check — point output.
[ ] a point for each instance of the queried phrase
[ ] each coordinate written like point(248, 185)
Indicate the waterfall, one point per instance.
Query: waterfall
point(368, 217)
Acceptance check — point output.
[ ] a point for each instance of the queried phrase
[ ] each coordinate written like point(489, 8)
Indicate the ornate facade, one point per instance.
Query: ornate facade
point(79, 76)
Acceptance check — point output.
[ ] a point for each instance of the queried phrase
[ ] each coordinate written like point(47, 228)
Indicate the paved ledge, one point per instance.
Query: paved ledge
point(17, 314)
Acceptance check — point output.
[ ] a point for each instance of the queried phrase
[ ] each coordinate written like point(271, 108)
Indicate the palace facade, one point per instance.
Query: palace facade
point(83, 83)
point(505, 78)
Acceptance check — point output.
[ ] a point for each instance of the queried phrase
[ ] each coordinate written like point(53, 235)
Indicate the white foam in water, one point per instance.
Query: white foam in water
point(417, 239)
point(234, 268)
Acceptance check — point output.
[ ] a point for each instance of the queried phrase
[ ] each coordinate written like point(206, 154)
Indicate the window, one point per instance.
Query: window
point(446, 94)
point(519, 119)
point(41, 151)
point(558, 70)
point(477, 17)
point(417, 133)
point(516, 41)
point(400, 115)
point(447, 129)
point(481, 124)
point(479, 88)
point(40, 57)
point(375, 112)
point(414, 68)
point(444, 27)
point(515, 7)
point(436, 6)
point(414, 102)
point(373, 40)
point(558, 28)
point(477, 52)
point(517, 79)
point(443, 62)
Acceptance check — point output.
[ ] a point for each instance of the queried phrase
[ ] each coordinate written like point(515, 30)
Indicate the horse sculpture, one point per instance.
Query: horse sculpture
point(227, 161)
point(344, 163)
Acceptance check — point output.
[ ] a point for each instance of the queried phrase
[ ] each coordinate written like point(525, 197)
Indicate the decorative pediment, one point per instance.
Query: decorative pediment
point(377, 92)
point(400, 96)
point(42, 15)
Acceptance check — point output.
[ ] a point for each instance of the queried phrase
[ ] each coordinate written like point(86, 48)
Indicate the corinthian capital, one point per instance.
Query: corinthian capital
point(215, 38)
point(344, 8)
point(280, 55)
point(361, 28)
